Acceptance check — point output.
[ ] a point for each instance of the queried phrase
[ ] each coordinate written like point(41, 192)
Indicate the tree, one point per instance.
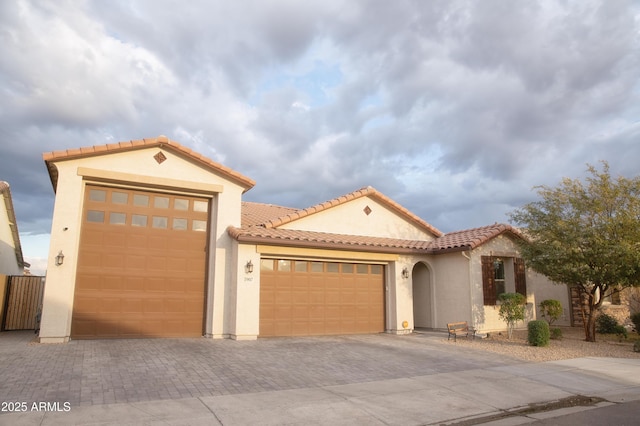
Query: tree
point(585, 235)
point(511, 310)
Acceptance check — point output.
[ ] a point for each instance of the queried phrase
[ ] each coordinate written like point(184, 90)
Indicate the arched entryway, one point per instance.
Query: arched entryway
point(422, 299)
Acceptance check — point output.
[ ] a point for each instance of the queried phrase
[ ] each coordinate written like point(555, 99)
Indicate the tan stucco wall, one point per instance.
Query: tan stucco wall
point(538, 287)
point(65, 230)
point(8, 262)
point(350, 218)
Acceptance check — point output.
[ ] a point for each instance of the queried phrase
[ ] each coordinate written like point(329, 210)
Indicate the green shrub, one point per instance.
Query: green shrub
point(556, 333)
point(512, 308)
point(551, 310)
point(635, 319)
point(538, 333)
point(621, 332)
point(606, 324)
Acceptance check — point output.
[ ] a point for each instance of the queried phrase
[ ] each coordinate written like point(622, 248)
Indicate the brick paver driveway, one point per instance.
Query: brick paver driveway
point(88, 372)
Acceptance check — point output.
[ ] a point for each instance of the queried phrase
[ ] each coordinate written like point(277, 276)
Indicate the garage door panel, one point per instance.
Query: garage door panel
point(315, 298)
point(135, 280)
point(115, 240)
point(132, 305)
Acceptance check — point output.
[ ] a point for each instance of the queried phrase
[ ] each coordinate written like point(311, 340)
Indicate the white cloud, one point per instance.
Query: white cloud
point(455, 109)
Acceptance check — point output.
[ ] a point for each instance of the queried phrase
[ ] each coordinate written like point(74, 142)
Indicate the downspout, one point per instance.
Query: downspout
point(473, 323)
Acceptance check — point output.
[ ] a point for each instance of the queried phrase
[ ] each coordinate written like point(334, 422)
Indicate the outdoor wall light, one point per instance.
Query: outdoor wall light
point(405, 273)
point(59, 258)
point(248, 268)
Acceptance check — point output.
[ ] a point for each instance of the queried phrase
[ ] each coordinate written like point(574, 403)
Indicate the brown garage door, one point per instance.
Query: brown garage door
point(141, 265)
point(303, 298)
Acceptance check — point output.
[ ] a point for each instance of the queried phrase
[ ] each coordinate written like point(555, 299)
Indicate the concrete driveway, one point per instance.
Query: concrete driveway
point(379, 379)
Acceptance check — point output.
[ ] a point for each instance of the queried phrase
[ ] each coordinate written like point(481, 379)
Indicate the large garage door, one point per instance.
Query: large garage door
point(303, 298)
point(141, 265)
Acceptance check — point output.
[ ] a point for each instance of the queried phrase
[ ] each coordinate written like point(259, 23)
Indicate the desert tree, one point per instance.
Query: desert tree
point(585, 234)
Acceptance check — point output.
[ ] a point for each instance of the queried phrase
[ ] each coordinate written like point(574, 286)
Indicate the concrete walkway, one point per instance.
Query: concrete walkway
point(373, 379)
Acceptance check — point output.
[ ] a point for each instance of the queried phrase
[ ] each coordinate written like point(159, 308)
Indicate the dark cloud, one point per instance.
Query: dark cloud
point(455, 109)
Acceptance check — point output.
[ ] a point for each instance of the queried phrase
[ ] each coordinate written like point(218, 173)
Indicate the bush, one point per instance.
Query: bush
point(621, 332)
point(606, 324)
point(551, 310)
point(512, 308)
point(635, 319)
point(538, 333)
point(636, 346)
point(556, 333)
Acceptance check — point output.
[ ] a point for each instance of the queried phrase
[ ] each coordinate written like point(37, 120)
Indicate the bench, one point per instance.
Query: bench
point(456, 329)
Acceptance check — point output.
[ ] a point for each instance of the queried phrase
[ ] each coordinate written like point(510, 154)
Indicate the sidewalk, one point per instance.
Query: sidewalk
point(445, 398)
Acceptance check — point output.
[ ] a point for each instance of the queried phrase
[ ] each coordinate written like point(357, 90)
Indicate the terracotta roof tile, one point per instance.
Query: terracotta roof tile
point(292, 237)
point(471, 238)
point(258, 213)
point(162, 141)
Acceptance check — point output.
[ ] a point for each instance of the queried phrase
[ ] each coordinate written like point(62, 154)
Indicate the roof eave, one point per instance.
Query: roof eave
point(50, 158)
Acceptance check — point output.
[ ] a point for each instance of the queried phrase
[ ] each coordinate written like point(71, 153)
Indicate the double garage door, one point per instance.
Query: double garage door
point(141, 265)
point(305, 298)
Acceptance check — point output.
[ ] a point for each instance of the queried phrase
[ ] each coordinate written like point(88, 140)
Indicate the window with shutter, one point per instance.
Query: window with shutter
point(521, 276)
point(488, 280)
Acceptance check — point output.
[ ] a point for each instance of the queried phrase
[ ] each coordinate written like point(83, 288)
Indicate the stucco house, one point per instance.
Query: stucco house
point(11, 260)
point(151, 239)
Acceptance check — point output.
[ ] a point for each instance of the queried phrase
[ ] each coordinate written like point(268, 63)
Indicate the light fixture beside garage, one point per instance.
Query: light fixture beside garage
point(248, 268)
point(59, 258)
point(405, 272)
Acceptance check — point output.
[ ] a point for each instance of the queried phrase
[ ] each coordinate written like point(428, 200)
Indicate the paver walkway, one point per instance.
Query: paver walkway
point(90, 372)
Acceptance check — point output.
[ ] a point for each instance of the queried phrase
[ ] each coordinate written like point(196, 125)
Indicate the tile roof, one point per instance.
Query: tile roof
point(260, 221)
point(455, 241)
point(310, 239)
point(50, 158)
point(469, 239)
point(258, 213)
point(5, 192)
point(363, 192)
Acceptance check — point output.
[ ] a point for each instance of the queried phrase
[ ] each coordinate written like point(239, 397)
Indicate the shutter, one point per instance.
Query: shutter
point(521, 277)
point(488, 281)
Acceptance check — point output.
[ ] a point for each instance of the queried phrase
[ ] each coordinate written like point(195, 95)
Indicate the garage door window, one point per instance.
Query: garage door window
point(140, 200)
point(117, 218)
point(119, 197)
point(95, 216)
point(98, 195)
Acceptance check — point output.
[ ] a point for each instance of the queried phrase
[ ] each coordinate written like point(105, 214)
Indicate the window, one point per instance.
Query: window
point(161, 202)
point(179, 224)
point(159, 222)
point(95, 216)
point(97, 195)
point(181, 204)
point(200, 206)
point(502, 275)
point(199, 225)
point(498, 276)
point(119, 197)
point(138, 220)
point(141, 200)
point(117, 218)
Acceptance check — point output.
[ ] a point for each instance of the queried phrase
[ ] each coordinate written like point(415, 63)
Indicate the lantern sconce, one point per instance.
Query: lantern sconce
point(59, 258)
point(405, 273)
point(248, 268)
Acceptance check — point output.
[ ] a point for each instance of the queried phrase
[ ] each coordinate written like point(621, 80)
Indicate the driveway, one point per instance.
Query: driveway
point(363, 379)
point(89, 372)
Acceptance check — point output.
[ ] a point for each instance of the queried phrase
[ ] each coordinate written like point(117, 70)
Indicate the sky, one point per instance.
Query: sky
point(454, 109)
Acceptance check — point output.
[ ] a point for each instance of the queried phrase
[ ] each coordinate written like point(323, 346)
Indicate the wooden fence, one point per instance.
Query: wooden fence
point(23, 302)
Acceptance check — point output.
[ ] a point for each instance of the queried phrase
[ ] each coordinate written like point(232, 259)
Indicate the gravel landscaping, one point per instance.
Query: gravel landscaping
point(572, 345)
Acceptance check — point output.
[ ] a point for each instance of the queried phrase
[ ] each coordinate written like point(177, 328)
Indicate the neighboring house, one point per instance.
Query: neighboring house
point(158, 243)
point(11, 260)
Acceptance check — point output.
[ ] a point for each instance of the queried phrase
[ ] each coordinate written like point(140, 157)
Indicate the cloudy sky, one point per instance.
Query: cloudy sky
point(454, 109)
